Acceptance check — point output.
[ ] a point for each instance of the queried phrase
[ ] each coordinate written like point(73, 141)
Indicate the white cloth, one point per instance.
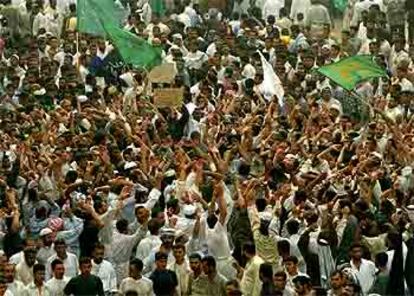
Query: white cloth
point(121, 249)
point(32, 290)
point(299, 6)
point(106, 272)
point(365, 274)
point(183, 274)
point(16, 287)
point(24, 273)
point(56, 286)
point(272, 7)
point(143, 286)
point(147, 245)
point(70, 262)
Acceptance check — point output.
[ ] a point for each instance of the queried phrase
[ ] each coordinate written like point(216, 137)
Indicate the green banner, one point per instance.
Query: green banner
point(348, 72)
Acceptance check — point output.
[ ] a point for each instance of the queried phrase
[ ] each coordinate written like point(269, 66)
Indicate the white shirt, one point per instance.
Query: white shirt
point(272, 7)
point(16, 258)
point(147, 245)
point(143, 286)
point(299, 6)
point(365, 274)
point(56, 286)
point(32, 290)
point(106, 272)
point(16, 287)
point(70, 262)
point(217, 241)
point(24, 273)
point(182, 271)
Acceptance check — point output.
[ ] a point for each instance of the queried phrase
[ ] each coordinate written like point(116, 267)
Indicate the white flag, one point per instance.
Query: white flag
point(271, 85)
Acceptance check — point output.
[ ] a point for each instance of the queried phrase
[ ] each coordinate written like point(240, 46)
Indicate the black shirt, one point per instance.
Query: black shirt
point(84, 286)
point(164, 282)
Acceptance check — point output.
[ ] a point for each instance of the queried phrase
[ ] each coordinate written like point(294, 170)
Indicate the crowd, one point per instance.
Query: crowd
point(236, 192)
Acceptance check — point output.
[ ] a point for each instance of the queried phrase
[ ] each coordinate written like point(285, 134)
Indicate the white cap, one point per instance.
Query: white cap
point(189, 210)
point(45, 231)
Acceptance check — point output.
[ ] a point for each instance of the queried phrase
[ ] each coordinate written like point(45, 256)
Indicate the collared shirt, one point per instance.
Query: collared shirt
point(365, 274)
point(32, 290)
point(70, 263)
point(143, 286)
point(106, 272)
point(56, 286)
point(217, 286)
point(197, 286)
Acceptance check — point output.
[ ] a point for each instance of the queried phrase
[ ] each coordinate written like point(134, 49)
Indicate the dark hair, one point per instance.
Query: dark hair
point(293, 259)
point(261, 204)
point(281, 273)
point(292, 226)
point(283, 246)
point(196, 256)
point(381, 259)
point(84, 260)
point(122, 225)
point(38, 267)
point(249, 247)
point(266, 270)
point(179, 246)
point(153, 226)
point(161, 256)
point(137, 263)
point(56, 262)
point(60, 242)
point(99, 245)
point(211, 262)
point(233, 283)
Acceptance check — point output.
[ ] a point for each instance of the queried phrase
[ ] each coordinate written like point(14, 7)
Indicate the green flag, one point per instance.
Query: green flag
point(158, 7)
point(134, 50)
point(348, 72)
point(92, 13)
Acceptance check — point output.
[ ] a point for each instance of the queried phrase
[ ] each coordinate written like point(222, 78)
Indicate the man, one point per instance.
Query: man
point(316, 18)
point(136, 282)
point(250, 280)
point(303, 286)
point(152, 241)
point(181, 268)
point(337, 282)
point(85, 283)
point(197, 284)
point(122, 246)
point(364, 269)
point(103, 269)
point(46, 250)
point(69, 260)
point(14, 286)
point(38, 287)
point(24, 270)
point(57, 283)
point(279, 280)
point(216, 283)
point(291, 266)
point(272, 7)
point(216, 233)
point(164, 280)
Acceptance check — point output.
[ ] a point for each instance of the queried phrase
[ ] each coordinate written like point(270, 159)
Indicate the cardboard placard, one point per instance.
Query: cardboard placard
point(168, 97)
point(164, 73)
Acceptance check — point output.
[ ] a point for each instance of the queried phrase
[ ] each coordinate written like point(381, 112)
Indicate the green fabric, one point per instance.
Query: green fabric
point(348, 72)
point(340, 4)
point(133, 50)
point(158, 7)
point(92, 13)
